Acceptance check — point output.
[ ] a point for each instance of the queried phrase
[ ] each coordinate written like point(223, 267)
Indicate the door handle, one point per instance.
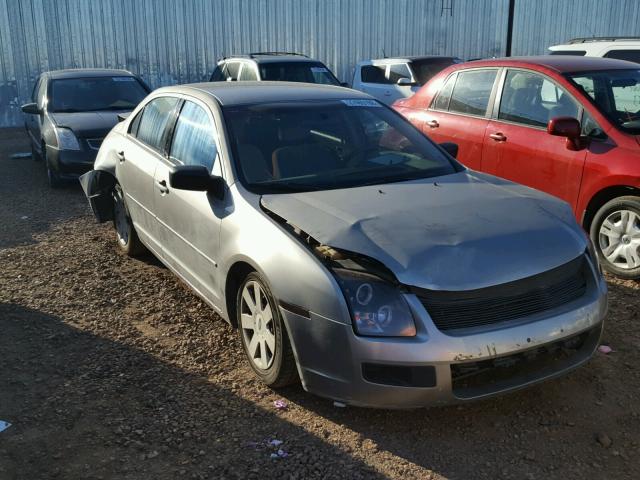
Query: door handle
point(162, 186)
point(433, 124)
point(120, 156)
point(498, 137)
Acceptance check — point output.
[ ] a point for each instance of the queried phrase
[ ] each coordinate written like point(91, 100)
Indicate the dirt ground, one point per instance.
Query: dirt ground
point(111, 369)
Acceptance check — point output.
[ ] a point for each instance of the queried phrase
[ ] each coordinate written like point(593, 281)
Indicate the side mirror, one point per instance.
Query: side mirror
point(567, 127)
point(31, 108)
point(196, 178)
point(450, 148)
point(405, 82)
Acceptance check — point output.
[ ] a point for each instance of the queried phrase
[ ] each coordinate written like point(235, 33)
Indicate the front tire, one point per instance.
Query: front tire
point(615, 232)
point(126, 235)
point(263, 335)
point(53, 177)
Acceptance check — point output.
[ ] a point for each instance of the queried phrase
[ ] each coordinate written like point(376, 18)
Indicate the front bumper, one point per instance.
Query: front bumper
point(335, 363)
point(70, 164)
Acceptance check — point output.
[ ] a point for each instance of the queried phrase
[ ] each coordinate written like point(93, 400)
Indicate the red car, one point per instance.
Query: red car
point(567, 125)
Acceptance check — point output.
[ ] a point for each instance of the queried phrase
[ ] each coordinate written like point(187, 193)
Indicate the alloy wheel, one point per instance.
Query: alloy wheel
point(257, 323)
point(619, 239)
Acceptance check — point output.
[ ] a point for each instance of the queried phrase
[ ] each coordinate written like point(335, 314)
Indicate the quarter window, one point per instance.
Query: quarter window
point(442, 100)
point(193, 139)
point(373, 74)
point(155, 118)
point(532, 99)
point(472, 91)
point(629, 55)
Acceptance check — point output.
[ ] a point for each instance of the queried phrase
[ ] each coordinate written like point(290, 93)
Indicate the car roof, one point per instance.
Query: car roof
point(410, 58)
point(242, 93)
point(559, 63)
point(87, 72)
point(272, 58)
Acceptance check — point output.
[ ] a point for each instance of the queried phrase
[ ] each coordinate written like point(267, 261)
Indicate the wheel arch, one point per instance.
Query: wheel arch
point(603, 196)
point(235, 276)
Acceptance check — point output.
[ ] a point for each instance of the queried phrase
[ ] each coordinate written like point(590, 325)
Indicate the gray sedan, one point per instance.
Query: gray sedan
point(350, 251)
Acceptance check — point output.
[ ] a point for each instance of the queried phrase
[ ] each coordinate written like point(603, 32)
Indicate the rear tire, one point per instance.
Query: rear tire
point(615, 232)
point(126, 235)
point(263, 335)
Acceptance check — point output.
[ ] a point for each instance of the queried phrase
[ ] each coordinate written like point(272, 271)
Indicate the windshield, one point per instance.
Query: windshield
point(424, 70)
point(291, 147)
point(616, 93)
point(308, 72)
point(95, 93)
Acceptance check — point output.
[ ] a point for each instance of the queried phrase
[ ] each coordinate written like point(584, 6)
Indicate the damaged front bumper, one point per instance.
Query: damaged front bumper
point(434, 368)
point(98, 187)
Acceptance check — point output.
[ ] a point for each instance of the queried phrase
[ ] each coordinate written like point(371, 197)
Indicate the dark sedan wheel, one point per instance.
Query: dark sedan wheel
point(126, 235)
point(263, 335)
point(53, 177)
point(615, 232)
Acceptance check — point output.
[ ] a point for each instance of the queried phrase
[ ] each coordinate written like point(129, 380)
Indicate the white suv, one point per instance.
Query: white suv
point(622, 48)
point(389, 79)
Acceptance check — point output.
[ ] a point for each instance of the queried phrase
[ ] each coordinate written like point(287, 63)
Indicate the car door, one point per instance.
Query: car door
point(137, 162)
point(458, 113)
point(189, 221)
point(374, 81)
point(517, 146)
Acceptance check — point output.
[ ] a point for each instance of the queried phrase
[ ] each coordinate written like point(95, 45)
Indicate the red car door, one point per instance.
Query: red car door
point(458, 113)
point(517, 146)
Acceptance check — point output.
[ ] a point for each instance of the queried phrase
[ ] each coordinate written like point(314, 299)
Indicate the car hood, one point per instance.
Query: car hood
point(88, 124)
point(456, 232)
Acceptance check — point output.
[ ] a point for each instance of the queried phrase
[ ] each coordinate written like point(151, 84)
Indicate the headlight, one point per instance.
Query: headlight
point(66, 139)
point(377, 308)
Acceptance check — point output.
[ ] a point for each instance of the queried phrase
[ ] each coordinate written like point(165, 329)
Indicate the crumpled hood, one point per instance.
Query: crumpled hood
point(456, 232)
point(88, 124)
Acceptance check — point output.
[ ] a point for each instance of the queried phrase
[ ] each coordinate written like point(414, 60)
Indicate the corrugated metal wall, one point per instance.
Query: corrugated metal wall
point(179, 41)
point(541, 23)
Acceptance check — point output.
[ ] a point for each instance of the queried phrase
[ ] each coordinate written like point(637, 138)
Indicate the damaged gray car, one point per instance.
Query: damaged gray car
point(349, 250)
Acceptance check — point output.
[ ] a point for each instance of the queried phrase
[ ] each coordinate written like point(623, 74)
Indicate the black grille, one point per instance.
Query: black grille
point(509, 301)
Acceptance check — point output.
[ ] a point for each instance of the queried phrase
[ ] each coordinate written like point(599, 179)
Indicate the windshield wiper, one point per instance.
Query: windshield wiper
point(289, 187)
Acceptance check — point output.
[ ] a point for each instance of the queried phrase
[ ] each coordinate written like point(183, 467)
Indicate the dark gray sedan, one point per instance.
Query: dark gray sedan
point(348, 249)
point(70, 113)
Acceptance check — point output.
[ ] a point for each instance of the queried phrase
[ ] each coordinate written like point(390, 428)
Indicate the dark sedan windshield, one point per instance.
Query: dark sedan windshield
point(616, 93)
point(95, 93)
point(308, 72)
point(290, 147)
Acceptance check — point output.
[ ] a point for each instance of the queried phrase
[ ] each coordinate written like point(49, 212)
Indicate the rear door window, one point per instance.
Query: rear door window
point(155, 118)
point(472, 91)
point(248, 73)
point(194, 137)
point(374, 74)
point(628, 55)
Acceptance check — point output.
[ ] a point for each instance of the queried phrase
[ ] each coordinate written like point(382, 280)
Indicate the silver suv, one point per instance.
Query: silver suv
point(273, 66)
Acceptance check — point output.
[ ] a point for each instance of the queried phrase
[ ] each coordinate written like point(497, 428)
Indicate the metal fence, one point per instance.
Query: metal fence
point(179, 41)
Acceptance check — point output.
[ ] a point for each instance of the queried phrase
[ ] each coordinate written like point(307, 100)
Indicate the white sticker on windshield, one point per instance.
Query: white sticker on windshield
point(123, 79)
point(361, 103)
point(319, 70)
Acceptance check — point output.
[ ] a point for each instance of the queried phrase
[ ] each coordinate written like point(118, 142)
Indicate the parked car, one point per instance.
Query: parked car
point(622, 48)
point(389, 79)
point(347, 247)
point(566, 125)
point(70, 113)
point(273, 66)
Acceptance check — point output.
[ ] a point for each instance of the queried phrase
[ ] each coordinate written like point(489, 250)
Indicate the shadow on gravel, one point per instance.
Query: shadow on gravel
point(85, 407)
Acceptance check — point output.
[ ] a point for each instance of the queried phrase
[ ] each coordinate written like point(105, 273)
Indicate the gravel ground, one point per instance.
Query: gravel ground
point(111, 368)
